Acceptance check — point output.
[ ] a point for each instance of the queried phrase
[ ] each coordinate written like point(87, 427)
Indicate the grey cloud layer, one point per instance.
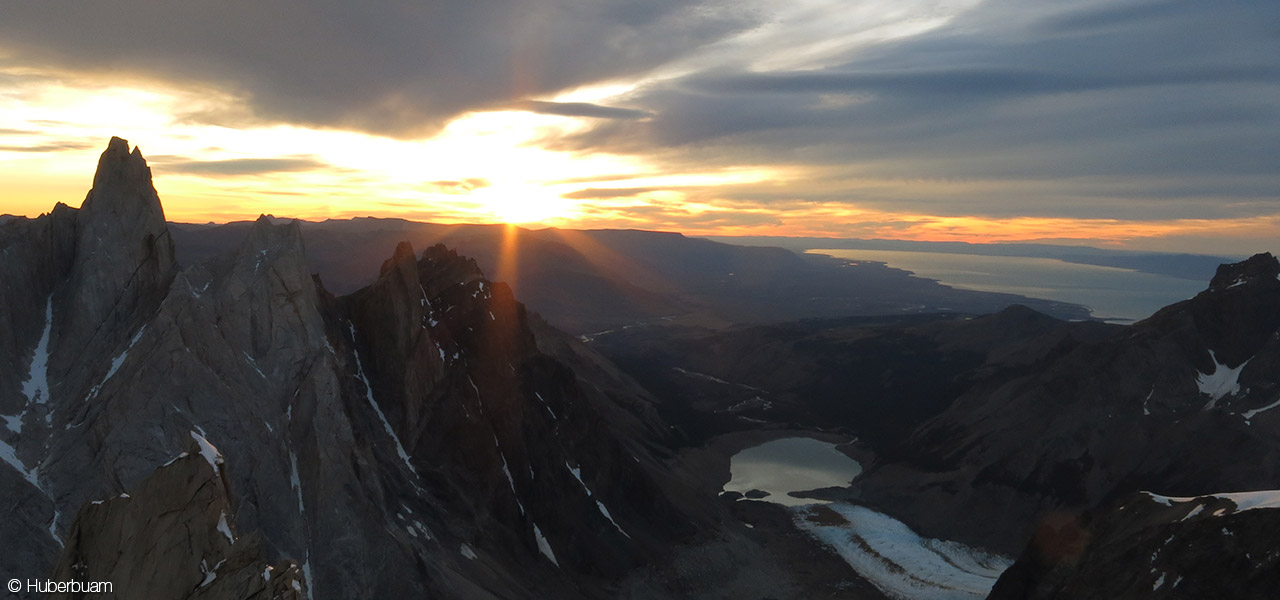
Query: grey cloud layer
point(1126, 108)
point(394, 67)
point(1183, 95)
point(579, 109)
point(234, 167)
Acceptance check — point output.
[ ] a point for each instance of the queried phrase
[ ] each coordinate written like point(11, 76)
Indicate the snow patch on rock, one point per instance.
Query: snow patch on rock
point(1250, 414)
point(116, 363)
point(511, 482)
point(1223, 381)
point(546, 406)
point(253, 363)
point(36, 386)
point(368, 393)
point(577, 474)
point(224, 528)
point(208, 451)
point(175, 459)
point(543, 546)
point(9, 455)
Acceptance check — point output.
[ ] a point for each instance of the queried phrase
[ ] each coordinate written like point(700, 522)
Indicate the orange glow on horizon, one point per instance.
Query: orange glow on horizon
point(488, 168)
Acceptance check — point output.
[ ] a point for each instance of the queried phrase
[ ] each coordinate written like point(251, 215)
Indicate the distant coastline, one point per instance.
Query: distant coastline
point(1111, 293)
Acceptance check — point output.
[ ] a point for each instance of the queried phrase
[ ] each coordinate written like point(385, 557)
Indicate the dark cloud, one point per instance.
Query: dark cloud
point(579, 109)
point(984, 81)
point(1109, 17)
point(235, 166)
point(600, 193)
point(676, 217)
point(385, 66)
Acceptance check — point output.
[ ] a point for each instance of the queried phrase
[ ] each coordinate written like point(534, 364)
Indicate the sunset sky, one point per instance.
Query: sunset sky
point(1131, 124)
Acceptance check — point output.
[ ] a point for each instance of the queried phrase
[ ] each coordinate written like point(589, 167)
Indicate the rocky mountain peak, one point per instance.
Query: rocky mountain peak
point(1259, 267)
point(121, 219)
point(270, 248)
point(122, 186)
point(271, 237)
point(123, 260)
point(403, 257)
point(1240, 311)
point(448, 265)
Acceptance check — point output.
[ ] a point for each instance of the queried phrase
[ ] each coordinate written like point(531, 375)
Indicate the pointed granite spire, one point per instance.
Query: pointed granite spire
point(124, 259)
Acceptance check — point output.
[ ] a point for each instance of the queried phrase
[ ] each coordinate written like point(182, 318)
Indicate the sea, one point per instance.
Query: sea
point(1112, 294)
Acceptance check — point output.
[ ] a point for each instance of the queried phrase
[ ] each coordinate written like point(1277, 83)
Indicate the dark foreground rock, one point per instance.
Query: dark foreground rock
point(174, 538)
point(1154, 547)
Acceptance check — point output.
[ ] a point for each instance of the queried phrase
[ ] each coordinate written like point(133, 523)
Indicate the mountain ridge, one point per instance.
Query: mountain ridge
point(588, 281)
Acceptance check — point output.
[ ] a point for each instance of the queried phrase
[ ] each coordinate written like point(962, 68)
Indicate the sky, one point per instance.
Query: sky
point(1138, 124)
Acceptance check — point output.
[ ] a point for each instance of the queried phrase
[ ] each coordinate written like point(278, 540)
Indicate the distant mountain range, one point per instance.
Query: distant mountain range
point(597, 280)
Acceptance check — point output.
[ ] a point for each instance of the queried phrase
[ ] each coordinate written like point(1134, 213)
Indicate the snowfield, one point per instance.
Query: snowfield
point(1243, 500)
point(899, 562)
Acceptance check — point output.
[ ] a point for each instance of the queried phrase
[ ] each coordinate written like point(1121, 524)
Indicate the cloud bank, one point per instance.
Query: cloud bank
point(391, 67)
point(1133, 110)
point(1125, 110)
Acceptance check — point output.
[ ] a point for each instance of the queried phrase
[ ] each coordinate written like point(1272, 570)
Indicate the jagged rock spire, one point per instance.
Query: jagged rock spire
point(124, 259)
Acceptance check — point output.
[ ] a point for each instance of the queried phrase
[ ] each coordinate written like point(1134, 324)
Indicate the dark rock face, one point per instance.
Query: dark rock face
point(877, 378)
point(173, 537)
point(1170, 405)
point(411, 439)
point(1153, 547)
point(444, 350)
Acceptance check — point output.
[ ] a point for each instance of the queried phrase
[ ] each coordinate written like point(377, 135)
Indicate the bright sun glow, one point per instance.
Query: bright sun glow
point(524, 205)
point(482, 167)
